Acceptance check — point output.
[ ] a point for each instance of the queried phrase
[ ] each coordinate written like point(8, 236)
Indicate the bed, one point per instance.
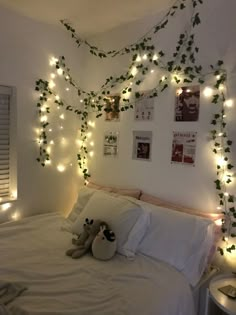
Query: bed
point(33, 254)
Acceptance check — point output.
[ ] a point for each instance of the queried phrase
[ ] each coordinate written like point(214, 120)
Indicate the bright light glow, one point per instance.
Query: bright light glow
point(61, 127)
point(221, 161)
point(6, 206)
point(218, 222)
point(227, 176)
point(152, 71)
point(67, 77)
point(220, 134)
point(91, 123)
point(226, 194)
point(50, 130)
point(51, 142)
point(81, 101)
point(138, 59)
point(15, 216)
point(57, 97)
point(92, 143)
point(179, 91)
point(134, 71)
point(208, 91)
point(48, 149)
point(53, 75)
point(67, 89)
point(61, 168)
point(131, 83)
point(145, 57)
point(51, 84)
point(218, 77)
point(79, 142)
point(89, 134)
point(48, 162)
point(43, 118)
point(221, 87)
point(91, 153)
point(188, 90)
point(62, 116)
point(155, 57)
point(163, 78)
point(218, 208)
point(226, 238)
point(229, 103)
point(53, 61)
point(60, 71)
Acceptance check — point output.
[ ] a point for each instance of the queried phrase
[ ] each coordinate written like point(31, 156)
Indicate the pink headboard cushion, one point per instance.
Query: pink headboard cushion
point(162, 203)
point(135, 193)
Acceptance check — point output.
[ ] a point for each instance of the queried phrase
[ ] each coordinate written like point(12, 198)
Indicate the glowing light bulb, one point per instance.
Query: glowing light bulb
point(92, 143)
point(61, 168)
point(81, 101)
point(221, 161)
point(229, 103)
point(145, 57)
point(91, 153)
point(208, 91)
point(218, 77)
point(50, 130)
point(131, 83)
point(224, 116)
point(67, 77)
point(60, 71)
point(221, 87)
point(218, 222)
point(61, 127)
point(53, 75)
point(134, 71)
point(89, 134)
point(226, 238)
point(226, 194)
point(188, 90)
point(155, 57)
point(218, 208)
point(53, 61)
point(179, 91)
point(48, 149)
point(138, 59)
point(15, 216)
point(67, 89)
point(51, 142)
point(6, 206)
point(163, 78)
point(152, 70)
point(51, 84)
point(220, 134)
point(91, 123)
point(43, 118)
point(57, 97)
point(62, 116)
point(48, 162)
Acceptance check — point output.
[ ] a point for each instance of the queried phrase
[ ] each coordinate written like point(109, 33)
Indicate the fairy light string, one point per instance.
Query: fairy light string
point(145, 60)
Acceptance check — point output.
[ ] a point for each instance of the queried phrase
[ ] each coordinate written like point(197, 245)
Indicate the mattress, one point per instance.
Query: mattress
point(33, 253)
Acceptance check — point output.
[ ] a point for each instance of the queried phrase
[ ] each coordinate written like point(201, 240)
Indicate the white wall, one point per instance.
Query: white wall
point(187, 185)
point(25, 50)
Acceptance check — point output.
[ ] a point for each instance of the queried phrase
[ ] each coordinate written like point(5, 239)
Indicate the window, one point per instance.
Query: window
point(8, 184)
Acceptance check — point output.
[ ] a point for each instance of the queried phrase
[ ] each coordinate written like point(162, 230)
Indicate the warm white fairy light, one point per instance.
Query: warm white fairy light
point(81, 101)
point(221, 87)
point(220, 160)
point(48, 162)
point(15, 216)
point(57, 97)
point(67, 77)
point(228, 103)
point(50, 130)
point(218, 222)
point(6, 206)
point(67, 89)
point(48, 149)
point(43, 118)
point(179, 91)
point(226, 194)
point(138, 59)
point(163, 78)
point(152, 70)
point(61, 168)
point(134, 71)
point(89, 134)
point(208, 92)
point(220, 134)
point(91, 123)
point(51, 142)
point(91, 143)
point(61, 127)
point(52, 84)
point(60, 71)
point(91, 153)
point(79, 142)
point(62, 116)
point(155, 57)
point(218, 208)
point(145, 57)
point(53, 75)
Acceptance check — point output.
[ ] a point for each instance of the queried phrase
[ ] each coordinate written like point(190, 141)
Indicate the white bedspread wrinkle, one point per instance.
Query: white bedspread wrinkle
point(33, 253)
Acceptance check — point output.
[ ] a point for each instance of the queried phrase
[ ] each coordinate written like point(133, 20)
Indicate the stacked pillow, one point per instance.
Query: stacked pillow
point(125, 217)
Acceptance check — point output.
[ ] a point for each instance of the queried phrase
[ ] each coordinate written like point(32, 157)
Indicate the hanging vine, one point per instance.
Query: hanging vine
point(182, 68)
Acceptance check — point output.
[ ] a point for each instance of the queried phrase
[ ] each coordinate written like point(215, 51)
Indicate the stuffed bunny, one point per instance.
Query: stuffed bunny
point(104, 245)
point(84, 242)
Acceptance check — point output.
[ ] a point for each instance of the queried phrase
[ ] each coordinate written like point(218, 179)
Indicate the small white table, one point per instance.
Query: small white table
point(217, 302)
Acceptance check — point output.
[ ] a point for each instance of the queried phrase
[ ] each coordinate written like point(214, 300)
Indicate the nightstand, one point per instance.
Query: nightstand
point(217, 302)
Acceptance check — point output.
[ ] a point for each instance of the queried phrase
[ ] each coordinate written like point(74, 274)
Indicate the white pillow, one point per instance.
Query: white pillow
point(84, 195)
point(126, 219)
point(182, 240)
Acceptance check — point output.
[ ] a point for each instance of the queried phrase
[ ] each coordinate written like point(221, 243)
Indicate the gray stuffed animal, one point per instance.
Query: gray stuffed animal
point(84, 242)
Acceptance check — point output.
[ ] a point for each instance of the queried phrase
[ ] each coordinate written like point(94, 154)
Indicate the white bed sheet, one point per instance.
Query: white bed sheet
point(32, 251)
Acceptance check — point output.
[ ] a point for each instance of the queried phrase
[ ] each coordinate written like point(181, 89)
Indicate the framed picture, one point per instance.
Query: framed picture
point(112, 108)
point(184, 147)
point(187, 103)
point(110, 144)
point(142, 144)
point(144, 109)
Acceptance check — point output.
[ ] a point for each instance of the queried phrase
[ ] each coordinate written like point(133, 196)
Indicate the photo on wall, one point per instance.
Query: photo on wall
point(184, 147)
point(110, 143)
point(187, 103)
point(144, 109)
point(112, 108)
point(142, 145)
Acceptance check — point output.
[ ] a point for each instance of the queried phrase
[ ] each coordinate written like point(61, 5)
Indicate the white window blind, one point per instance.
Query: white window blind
point(7, 152)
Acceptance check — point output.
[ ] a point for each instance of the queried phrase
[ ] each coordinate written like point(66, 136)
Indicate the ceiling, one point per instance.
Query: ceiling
point(88, 16)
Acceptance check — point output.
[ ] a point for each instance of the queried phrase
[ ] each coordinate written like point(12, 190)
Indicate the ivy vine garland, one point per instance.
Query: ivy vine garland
point(182, 68)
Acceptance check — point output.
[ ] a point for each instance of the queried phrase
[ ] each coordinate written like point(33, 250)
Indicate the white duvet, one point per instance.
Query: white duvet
point(32, 251)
